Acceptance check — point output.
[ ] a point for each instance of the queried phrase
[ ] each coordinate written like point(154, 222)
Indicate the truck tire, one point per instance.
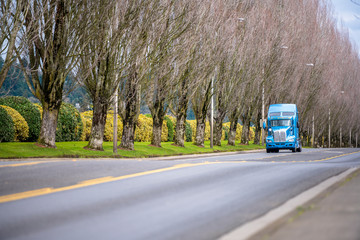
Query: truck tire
point(299, 149)
point(268, 150)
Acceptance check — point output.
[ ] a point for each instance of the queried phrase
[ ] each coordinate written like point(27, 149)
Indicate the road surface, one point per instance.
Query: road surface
point(193, 198)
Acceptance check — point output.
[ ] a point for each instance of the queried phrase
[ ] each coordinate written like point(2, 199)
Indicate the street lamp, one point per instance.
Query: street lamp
point(313, 117)
point(212, 114)
point(342, 92)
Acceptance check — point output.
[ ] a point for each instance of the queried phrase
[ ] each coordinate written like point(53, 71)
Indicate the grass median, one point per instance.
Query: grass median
point(142, 150)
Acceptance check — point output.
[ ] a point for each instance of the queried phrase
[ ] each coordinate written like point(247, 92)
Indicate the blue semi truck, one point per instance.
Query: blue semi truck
point(283, 128)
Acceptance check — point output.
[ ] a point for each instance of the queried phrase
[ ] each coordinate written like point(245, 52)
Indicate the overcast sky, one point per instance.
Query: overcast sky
point(349, 13)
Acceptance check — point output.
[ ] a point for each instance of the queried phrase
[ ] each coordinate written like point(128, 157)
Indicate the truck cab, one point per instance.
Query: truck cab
point(283, 128)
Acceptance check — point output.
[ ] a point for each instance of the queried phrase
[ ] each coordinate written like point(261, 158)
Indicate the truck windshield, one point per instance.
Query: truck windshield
point(280, 123)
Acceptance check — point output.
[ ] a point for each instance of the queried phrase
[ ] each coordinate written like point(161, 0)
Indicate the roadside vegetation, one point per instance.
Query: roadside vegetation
point(169, 56)
point(142, 150)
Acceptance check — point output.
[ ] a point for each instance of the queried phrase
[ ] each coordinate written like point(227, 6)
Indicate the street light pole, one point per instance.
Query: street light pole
point(329, 129)
point(313, 132)
point(313, 117)
point(115, 122)
point(262, 116)
point(212, 115)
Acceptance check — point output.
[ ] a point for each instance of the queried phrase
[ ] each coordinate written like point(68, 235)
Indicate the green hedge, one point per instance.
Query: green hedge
point(171, 130)
point(30, 112)
point(7, 130)
point(70, 125)
point(188, 132)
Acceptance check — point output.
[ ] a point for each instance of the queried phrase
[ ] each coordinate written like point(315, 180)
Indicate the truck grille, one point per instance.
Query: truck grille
point(280, 136)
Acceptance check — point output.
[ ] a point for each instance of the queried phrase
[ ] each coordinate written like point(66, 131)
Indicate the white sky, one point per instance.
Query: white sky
point(348, 11)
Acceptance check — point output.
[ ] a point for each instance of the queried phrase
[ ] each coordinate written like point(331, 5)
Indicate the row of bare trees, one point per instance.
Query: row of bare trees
point(175, 54)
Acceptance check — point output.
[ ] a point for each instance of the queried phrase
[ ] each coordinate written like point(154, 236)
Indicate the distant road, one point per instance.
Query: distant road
point(200, 198)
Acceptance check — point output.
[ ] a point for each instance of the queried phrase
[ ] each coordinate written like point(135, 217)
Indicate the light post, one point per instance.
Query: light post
point(342, 92)
point(329, 129)
point(115, 118)
point(313, 117)
point(262, 116)
point(212, 115)
point(115, 122)
point(313, 132)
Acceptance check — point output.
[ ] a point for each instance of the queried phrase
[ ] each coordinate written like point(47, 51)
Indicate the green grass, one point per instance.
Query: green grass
point(75, 149)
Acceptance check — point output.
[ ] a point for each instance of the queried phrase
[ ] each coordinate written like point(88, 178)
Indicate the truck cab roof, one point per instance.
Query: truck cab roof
point(281, 111)
point(283, 108)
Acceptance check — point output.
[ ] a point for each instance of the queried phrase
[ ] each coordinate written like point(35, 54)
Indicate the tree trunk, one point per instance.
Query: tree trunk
point(180, 121)
point(98, 127)
point(245, 134)
point(257, 129)
point(218, 130)
point(200, 107)
point(48, 126)
point(181, 111)
point(245, 129)
point(200, 132)
point(127, 140)
point(129, 109)
point(157, 128)
point(180, 130)
point(232, 133)
point(158, 111)
point(234, 117)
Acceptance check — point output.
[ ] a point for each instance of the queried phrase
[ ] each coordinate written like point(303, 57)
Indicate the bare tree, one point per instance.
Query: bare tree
point(11, 21)
point(104, 60)
point(52, 45)
point(168, 27)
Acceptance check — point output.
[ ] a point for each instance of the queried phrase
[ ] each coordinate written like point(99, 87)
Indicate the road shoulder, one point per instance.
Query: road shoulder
point(265, 226)
point(333, 215)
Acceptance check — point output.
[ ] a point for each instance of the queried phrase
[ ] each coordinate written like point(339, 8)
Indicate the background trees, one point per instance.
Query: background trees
point(166, 53)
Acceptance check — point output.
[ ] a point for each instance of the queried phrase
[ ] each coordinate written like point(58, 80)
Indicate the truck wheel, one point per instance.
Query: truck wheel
point(276, 150)
point(299, 149)
point(267, 150)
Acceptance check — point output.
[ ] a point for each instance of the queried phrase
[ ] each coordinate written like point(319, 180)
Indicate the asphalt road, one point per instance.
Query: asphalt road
point(193, 198)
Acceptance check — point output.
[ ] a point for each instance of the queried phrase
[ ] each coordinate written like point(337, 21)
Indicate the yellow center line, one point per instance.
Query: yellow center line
point(23, 164)
point(91, 182)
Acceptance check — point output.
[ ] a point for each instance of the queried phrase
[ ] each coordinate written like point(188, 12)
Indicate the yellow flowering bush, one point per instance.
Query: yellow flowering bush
point(252, 133)
point(143, 131)
point(86, 118)
point(20, 125)
point(109, 127)
point(164, 132)
point(238, 130)
point(193, 128)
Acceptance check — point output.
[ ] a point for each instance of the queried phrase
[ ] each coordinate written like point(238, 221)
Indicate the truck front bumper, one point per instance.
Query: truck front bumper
point(280, 145)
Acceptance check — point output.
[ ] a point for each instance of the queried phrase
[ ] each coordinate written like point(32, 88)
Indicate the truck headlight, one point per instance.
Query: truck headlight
point(268, 141)
point(292, 140)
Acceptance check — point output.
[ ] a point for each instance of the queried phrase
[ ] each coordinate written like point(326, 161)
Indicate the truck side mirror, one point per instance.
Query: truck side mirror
point(264, 125)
